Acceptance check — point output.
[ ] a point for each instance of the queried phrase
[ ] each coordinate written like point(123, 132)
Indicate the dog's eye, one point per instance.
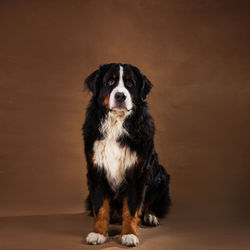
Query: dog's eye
point(130, 84)
point(111, 82)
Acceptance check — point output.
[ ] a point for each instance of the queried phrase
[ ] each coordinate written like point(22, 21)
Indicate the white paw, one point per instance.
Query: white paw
point(151, 220)
point(130, 240)
point(95, 238)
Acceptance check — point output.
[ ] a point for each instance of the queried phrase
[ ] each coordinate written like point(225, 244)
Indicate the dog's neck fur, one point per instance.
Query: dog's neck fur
point(112, 125)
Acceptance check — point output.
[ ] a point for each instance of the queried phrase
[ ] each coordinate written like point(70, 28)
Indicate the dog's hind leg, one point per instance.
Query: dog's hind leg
point(157, 200)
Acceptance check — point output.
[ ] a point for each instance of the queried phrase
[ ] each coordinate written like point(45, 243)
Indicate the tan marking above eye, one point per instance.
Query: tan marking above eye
point(114, 75)
point(127, 77)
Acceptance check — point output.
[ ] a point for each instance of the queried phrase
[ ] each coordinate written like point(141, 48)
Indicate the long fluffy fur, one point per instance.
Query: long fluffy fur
point(129, 140)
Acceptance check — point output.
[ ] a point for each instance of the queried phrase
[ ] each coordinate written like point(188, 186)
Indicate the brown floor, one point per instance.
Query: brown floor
point(67, 231)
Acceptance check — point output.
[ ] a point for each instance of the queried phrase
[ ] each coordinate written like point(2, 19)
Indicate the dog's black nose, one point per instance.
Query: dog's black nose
point(120, 97)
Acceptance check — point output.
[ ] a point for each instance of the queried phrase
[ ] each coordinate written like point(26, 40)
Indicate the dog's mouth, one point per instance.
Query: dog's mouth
point(120, 107)
point(120, 111)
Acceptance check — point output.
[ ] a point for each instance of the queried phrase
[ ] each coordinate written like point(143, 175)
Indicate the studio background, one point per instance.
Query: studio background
point(196, 54)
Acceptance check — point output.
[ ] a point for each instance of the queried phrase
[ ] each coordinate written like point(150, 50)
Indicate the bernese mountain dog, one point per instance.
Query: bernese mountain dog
point(124, 177)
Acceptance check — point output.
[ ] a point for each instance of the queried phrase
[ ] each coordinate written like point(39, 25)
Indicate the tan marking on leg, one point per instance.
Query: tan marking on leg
point(129, 222)
point(146, 209)
point(102, 219)
point(146, 206)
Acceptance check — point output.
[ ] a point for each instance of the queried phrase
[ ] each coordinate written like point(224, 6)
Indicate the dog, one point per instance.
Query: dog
point(125, 180)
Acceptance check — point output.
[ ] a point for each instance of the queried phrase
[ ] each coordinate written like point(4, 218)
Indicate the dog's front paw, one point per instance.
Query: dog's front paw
point(151, 220)
point(95, 238)
point(130, 240)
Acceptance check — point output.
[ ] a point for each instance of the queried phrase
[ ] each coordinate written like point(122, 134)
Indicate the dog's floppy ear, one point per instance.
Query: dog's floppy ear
point(146, 87)
point(91, 81)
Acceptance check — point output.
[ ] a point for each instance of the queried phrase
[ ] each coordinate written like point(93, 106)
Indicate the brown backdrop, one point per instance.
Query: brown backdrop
point(197, 55)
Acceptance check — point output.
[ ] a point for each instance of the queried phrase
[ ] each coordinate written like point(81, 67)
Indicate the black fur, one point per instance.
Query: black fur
point(147, 183)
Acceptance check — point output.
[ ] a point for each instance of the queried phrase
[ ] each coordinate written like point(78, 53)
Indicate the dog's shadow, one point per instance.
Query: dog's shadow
point(114, 232)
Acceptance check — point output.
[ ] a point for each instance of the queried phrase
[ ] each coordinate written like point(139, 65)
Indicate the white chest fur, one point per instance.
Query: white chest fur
point(109, 154)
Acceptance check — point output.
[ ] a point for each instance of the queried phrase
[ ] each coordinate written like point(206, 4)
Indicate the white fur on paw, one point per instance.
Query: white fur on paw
point(95, 238)
point(130, 240)
point(151, 220)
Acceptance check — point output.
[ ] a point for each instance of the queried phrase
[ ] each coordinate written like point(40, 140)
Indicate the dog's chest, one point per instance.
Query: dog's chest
point(109, 154)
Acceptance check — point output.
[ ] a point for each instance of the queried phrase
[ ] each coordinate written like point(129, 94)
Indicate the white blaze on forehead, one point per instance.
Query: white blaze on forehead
point(121, 83)
point(122, 89)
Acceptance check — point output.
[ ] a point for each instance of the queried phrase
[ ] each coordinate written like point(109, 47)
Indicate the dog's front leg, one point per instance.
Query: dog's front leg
point(129, 225)
point(101, 211)
point(132, 208)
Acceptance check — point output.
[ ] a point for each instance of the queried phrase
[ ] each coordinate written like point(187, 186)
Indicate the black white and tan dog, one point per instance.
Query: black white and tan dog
point(125, 179)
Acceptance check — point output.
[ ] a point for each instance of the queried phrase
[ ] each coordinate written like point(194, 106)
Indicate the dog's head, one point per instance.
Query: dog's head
point(118, 86)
